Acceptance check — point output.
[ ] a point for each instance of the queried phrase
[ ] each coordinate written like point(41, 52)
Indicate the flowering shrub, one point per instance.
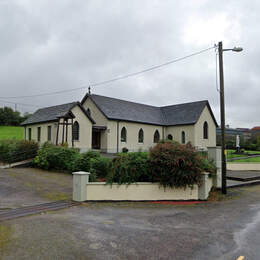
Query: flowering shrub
point(176, 165)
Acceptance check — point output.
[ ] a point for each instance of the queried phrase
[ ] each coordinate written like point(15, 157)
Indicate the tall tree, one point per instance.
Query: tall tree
point(10, 117)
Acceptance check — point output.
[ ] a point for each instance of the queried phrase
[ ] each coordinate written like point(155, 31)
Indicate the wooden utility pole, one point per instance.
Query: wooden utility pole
point(222, 115)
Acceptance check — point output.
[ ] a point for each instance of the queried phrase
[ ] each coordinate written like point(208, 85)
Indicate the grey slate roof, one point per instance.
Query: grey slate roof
point(124, 110)
point(117, 109)
point(183, 114)
point(48, 114)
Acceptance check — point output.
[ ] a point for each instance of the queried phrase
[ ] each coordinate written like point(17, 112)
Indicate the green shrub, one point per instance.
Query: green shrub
point(55, 157)
point(100, 166)
point(129, 168)
point(17, 150)
point(176, 165)
point(207, 165)
point(83, 161)
point(63, 158)
point(92, 162)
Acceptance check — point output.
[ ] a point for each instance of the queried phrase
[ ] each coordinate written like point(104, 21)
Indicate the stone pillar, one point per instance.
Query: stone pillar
point(214, 153)
point(80, 181)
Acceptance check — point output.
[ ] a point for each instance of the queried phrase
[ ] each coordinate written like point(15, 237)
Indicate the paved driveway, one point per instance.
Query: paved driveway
point(222, 229)
point(27, 186)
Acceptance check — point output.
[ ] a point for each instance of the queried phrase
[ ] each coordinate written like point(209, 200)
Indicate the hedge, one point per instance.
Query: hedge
point(169, 163)
point(17, 150)
point(55, 157)
point(62, 158)
point(129, 168)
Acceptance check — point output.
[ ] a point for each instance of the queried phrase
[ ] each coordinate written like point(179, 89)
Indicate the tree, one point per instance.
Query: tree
point(10, 117)
point(25, 116)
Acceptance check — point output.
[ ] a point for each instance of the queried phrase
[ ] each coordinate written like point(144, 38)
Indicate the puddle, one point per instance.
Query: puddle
point(247, 239)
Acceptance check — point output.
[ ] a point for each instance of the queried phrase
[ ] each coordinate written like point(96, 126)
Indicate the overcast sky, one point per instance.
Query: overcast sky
point(57, 45)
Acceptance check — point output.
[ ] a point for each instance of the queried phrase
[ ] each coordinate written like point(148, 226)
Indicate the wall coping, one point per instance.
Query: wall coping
point(88, 173)
point(135, 183)
point(81, 173)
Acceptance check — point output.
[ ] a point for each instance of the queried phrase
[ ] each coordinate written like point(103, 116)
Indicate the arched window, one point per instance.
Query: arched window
point(169, 137)
point(156, 137)
point(183, 137)
point(205, 130)
point(141, 136)
point(89, 111)
point(75, 131)
point(123, 135)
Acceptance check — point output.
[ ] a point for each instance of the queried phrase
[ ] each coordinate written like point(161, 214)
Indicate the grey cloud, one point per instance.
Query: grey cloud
point(55, 45)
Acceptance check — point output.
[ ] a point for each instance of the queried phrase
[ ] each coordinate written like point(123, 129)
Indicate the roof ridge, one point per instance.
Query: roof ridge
point(74, 102)
point(125, 100)
point(193, 102)
point(119, 99)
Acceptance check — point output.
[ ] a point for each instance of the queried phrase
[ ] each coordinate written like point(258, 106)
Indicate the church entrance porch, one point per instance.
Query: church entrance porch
point(96, 136)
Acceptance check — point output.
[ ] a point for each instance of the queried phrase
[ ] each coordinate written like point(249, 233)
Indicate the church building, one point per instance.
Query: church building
point(109, 124)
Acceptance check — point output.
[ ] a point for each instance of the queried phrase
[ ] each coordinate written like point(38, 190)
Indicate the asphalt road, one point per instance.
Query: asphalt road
point(224, 229)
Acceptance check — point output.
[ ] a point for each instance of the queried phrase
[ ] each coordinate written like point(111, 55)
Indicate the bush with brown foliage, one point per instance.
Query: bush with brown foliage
point(176, 165)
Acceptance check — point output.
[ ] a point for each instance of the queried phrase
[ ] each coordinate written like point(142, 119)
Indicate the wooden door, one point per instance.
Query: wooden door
point(96, 140)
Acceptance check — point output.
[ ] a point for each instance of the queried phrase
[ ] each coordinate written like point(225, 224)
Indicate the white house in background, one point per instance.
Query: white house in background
point(110, 124)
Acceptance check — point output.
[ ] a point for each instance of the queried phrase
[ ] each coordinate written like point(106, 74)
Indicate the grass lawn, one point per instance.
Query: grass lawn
point(10, 132)
point(253, 160)
point(231, 155)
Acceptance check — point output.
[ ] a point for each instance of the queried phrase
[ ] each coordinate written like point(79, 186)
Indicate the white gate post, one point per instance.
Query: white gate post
point(214, 153)
point(205, 186)
point(80, 181)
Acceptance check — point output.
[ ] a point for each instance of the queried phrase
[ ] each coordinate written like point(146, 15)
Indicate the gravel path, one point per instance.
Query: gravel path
point(27, 186)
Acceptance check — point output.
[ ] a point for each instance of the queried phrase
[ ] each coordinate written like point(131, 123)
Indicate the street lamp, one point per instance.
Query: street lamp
point(222, 113)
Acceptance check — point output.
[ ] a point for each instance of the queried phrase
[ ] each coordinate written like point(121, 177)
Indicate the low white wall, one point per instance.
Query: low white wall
point(243, 166)
point(142, 191)
point(138, 191)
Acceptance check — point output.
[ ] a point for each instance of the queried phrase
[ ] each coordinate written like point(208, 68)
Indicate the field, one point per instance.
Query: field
point(10, 132)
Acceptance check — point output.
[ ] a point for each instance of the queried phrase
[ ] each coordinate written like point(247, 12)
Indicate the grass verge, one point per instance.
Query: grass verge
point(248, 160)
point(54, 196)
point(6, 233)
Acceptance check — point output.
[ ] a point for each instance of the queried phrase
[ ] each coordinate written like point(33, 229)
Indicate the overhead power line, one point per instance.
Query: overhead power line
point(114, 79)
point(15, 103)
point(150, 69)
